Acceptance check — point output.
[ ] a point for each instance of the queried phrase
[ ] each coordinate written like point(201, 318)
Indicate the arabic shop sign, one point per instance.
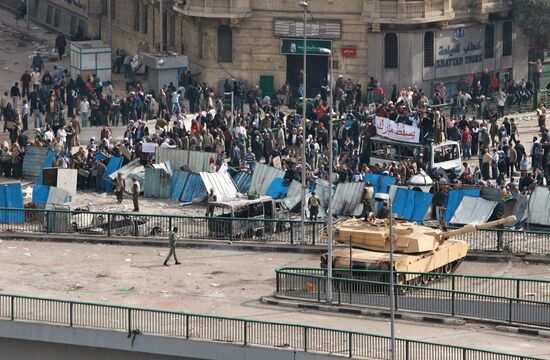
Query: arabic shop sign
point(458, 50)
point(296, 46)
point(399, 132)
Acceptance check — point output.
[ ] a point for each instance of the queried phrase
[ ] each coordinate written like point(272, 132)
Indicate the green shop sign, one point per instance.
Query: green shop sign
point(296, 46)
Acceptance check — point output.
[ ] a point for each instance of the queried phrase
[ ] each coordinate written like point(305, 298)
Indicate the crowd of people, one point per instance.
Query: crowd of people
point(58, 107)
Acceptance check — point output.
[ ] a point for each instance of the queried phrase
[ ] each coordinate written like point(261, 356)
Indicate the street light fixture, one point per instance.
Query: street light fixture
point(303, 4)
point(330, 160)
point(386, 198)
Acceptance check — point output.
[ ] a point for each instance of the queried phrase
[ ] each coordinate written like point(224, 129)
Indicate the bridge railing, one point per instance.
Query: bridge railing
point(511, 300)
point(231, 330)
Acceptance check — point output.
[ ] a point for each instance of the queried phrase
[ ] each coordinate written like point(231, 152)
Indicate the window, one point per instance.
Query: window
point(73, 24)
point(507, 38)
point(81, 25)
point(49, 12)
point(225, 44)
point(428, 49)
point(145, 19)
point(390, 51)
point(489, 41)
point(56, 16)
point(171, 30)
point(137, 18)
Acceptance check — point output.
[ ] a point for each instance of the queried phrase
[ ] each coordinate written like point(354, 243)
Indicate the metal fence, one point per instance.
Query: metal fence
point(231, 330)
point(158, 226)
point(511, 300)
point(231, 229)
point(512, 241)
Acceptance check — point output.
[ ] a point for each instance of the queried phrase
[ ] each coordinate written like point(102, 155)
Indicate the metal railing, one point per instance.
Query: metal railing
point(157, 226)
point(231, 229)
point(230, 330)
point(506, 240)
point(511, 300)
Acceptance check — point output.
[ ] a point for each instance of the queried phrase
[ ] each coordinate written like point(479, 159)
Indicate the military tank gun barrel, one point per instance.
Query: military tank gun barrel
point(475, 227)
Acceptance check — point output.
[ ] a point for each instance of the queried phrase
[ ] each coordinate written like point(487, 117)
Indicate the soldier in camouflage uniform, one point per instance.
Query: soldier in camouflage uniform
point(172, 243)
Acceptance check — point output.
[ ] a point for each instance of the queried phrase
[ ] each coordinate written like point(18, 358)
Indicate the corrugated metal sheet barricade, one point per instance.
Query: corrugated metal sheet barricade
point(262, 178)
point(473, 210)
point(347, 199)
point(411, 205)
point(36, 158)
point(223, 185)
point(539, 203)
point(194, 161)
point(11, 196)
point(379, 183)
point(242, 180)
point(194, 189)
point(157, 183)
point(177, 183)
point(40, 194)
point(454, 199)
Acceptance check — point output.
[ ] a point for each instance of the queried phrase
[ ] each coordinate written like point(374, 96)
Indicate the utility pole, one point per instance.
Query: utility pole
point(303, 4)
point(330, 161)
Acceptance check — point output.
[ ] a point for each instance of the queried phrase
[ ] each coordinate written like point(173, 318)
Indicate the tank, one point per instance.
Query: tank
point(416, 248)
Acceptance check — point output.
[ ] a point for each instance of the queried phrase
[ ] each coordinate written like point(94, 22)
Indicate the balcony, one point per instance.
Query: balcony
point(492, 6)
point(402, 12)
point(220, 9)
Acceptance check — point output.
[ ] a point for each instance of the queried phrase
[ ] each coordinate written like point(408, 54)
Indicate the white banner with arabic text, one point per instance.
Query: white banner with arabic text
point(399, 132)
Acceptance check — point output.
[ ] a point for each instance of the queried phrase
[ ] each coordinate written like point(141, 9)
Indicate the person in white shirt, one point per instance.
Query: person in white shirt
point(48, 135)
point(176, 102)
point(25, 113)
point(166, 145)
point(62, 136)
point(84, 111)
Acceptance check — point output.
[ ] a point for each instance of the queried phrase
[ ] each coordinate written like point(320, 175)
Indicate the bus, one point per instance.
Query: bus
point(445, 155)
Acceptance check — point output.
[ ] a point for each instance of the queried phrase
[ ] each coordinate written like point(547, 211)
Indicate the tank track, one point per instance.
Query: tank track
point(424, 281)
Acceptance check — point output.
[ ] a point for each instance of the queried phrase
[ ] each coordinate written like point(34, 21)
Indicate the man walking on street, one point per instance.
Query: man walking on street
point(172, 244)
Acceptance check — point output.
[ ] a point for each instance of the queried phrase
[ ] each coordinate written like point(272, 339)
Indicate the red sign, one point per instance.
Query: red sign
point(349, 51)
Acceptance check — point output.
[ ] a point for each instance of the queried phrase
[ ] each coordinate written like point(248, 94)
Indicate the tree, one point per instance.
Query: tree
point(533, 18)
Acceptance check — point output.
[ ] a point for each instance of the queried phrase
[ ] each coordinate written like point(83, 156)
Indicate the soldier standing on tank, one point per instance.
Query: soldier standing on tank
point(172, 244)
point(313, 206)
point(384, 212)
point(211, 200)
point(366, 199)
point(135, 195)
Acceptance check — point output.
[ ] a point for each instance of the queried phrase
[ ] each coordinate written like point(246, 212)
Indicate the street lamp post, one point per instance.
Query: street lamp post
point(330, 160)
point(303, 4)
point(386, 197)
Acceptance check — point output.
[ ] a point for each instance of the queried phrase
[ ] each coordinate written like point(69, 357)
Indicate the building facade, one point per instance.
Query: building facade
point(397, 42)
point(424, 43)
